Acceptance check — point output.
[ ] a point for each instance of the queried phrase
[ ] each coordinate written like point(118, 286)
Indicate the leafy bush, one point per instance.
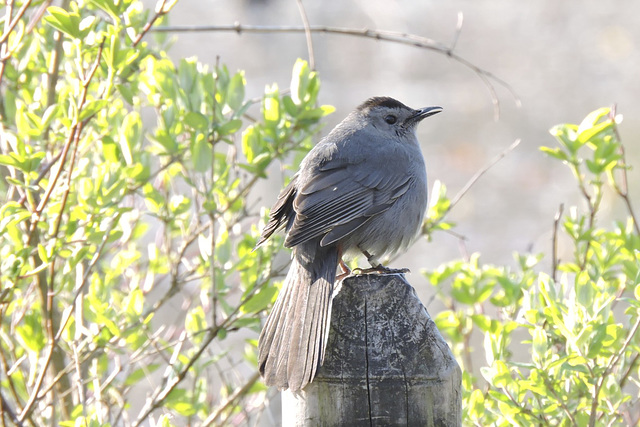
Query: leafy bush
point(127, 222)
point(576, 324)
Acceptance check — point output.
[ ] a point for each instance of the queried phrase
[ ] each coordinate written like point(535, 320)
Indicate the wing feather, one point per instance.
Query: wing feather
point(340, 198)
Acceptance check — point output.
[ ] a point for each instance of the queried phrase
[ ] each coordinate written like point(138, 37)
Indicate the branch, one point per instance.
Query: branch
point(161, 10)
point(10, 23)
point(623, 191)
point(241, 391)
point(162, 391)
point(307, 34)
point(481, 172)
point(5, 408)
point(554, 244)
point(609, 368)
point(74, 135)
point(388, 36)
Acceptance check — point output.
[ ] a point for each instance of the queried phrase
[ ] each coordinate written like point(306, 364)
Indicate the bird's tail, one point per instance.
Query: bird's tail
point(292, 343)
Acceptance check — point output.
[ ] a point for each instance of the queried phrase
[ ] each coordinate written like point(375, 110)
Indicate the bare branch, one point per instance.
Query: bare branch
point(458, 30)
point(481, 172)
point(10, 23)
point(388, 36)
point(554, 244)
point(161, 10)
point(213, 417)
point(623, 191)
point(307, 33)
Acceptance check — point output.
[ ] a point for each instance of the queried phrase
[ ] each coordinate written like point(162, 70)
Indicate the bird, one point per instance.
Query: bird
point(361, 190)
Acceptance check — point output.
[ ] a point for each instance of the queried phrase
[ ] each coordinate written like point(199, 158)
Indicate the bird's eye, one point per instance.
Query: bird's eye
point(391, 119)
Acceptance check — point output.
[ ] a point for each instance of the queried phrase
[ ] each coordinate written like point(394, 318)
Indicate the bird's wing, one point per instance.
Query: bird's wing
point(340, 198)
point(282, 211)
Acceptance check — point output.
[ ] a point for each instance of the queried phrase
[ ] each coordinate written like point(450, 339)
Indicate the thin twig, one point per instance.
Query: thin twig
point(554, 244)
point(481, 172)
point(632, 366)
point(552, 389)
point(624, 190)
point(73, 136)
point(14, 21)
point(10, 23)
point(612, 363)
point(53, 71)
point(160, 11)
point(212, 215)
point(241, 391)
point(161, 392)
point(307, 34)
point(45, 170)
point(6, 409)
point(458, 30)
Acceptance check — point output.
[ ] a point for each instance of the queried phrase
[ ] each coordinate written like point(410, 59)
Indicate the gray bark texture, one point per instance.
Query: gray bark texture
point(386, 363)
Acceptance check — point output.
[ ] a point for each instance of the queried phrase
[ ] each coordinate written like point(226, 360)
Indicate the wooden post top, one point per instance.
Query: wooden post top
point(386, 362)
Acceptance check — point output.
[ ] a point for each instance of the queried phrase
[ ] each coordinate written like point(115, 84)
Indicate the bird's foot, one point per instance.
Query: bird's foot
point(380, 269)
point(346, 271)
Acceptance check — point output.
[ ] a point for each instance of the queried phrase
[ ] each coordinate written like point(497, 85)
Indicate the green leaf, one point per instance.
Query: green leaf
point(271, 109)
point(195, 324)
point(134, 303)
point(202, 154)
point(42, 253)
point(31, 333)
point(110, 150)
point(251, 144)
point(179, 401)
point(476, 404)
point(316, 113)
point(196, 121)
point(540, 345)
point(179, 204)
point(113, 8)
point(130, 135)
point(91, 108)
point(566, 135)
point(136, 376)
point(289, 106)
point(555, 152)
point(12, 160)
point(299, 81)
point(235, 91)
point(260, 300)
point(230, 127)
point(585, 130)
point(64, 21)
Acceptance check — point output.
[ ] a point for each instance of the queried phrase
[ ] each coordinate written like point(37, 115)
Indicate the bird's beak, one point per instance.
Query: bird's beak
point(423, 113)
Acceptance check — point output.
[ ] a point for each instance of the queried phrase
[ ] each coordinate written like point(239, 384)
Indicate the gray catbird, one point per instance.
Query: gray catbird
point(363, 188)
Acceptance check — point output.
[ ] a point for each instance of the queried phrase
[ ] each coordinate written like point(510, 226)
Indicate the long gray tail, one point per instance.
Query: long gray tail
point(292, 343)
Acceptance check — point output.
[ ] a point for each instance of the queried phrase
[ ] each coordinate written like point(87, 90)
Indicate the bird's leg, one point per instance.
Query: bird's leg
point(377, 267)
point(346, 271)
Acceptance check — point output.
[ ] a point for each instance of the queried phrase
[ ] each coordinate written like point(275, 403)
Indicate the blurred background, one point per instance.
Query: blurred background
point(563, 59)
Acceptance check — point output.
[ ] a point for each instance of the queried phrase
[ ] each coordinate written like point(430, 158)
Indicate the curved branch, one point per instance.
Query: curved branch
point(389, 36)
point(307, 34)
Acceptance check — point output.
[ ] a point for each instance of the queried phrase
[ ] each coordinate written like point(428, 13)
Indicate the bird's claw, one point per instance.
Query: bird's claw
point(381, 269)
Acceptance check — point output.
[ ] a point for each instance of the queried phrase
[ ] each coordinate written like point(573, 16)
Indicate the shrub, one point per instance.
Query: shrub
point(129, 220)
point(578, 319)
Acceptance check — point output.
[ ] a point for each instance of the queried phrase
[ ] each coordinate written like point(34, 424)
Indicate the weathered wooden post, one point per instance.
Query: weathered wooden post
point(386, 363)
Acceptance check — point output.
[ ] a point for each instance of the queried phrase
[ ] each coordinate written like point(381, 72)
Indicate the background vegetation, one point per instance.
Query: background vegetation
point(130, 292)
